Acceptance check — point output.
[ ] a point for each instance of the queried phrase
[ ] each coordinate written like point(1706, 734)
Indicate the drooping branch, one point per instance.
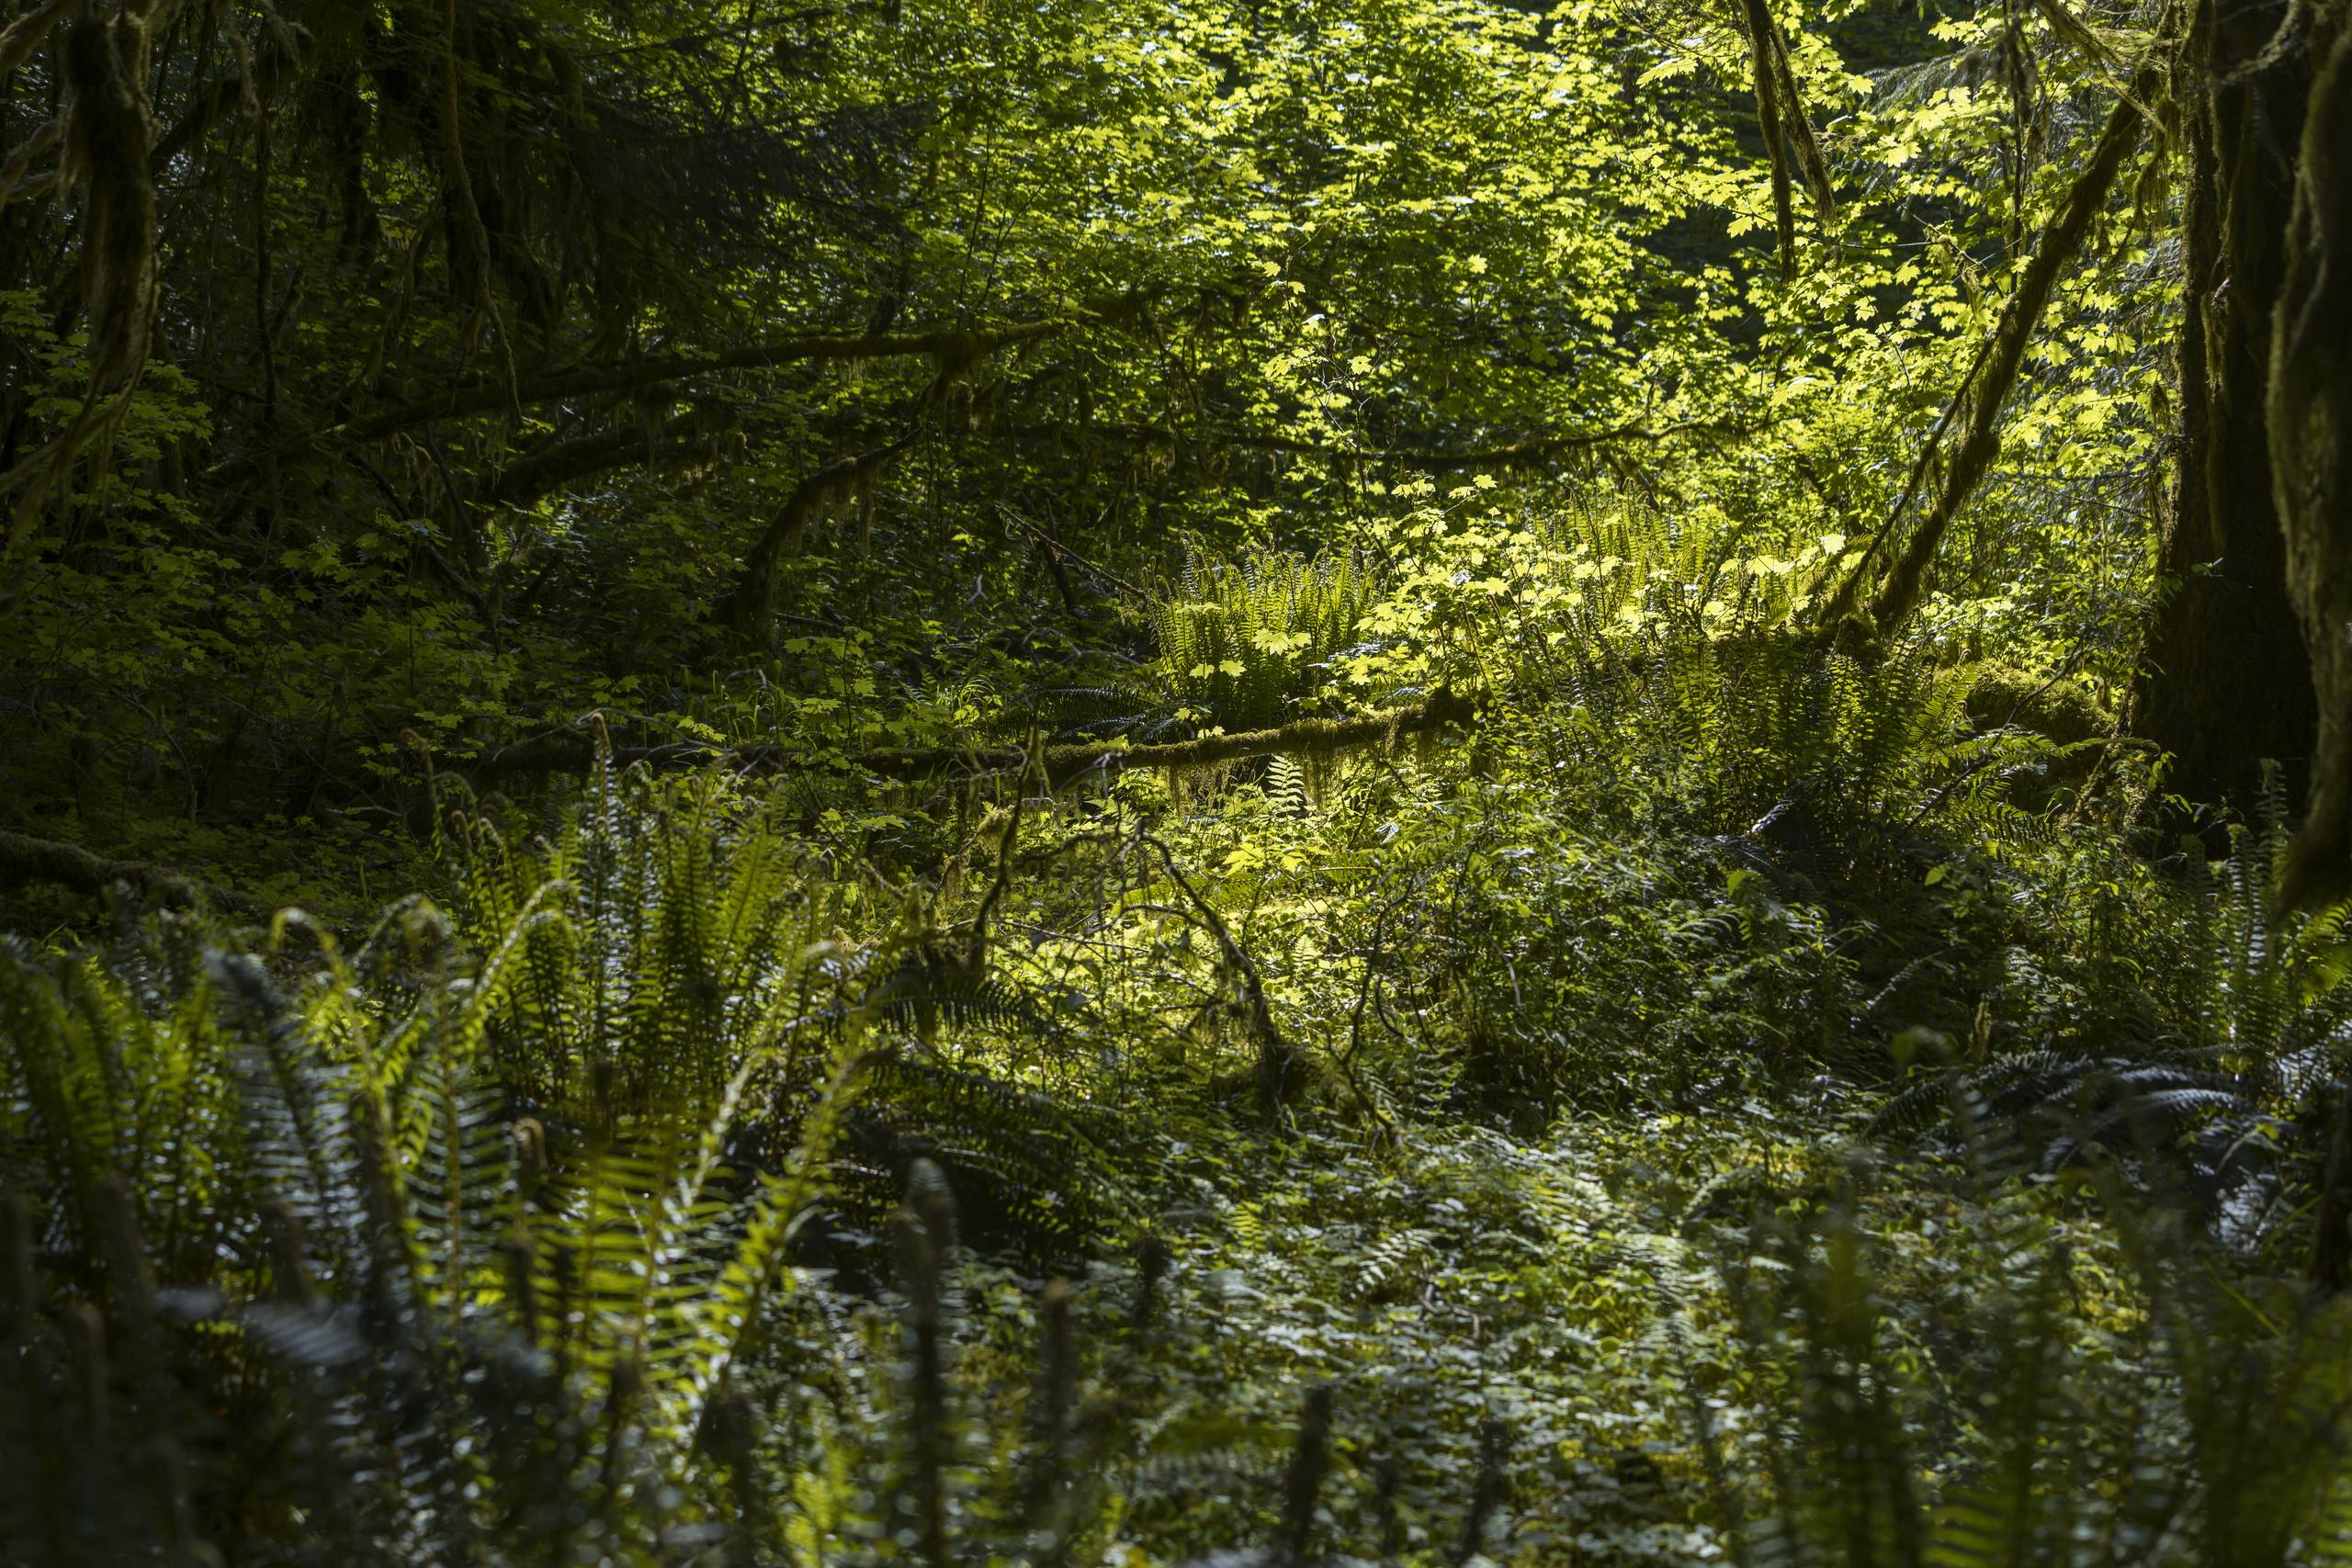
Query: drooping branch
point(753, 605)
point(552, 467)
point(571, 751)
point(1976, 407)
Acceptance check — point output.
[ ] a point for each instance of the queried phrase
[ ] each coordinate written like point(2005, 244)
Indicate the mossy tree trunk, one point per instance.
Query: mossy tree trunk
point(2309, 408)
point(2226, 679)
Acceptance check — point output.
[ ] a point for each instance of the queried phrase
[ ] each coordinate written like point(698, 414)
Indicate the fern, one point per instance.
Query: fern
point(1241, 641)
point(2244, 1465)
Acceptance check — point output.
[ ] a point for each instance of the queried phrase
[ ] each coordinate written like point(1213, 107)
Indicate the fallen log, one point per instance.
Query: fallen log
point(24, 858)
point(575, 750)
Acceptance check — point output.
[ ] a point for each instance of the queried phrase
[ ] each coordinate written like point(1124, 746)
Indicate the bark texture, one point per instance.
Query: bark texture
point(2310, 409)
point(2226, 682)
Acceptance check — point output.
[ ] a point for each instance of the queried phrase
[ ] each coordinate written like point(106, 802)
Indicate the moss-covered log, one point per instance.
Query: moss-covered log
point(571, 751)
point(24, 858)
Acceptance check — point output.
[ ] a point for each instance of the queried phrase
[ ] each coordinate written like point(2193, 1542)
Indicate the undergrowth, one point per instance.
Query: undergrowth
point(1721, 1122)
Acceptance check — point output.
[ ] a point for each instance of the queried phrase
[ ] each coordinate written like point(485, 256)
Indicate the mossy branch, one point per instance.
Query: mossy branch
point(563, 463)
point(25, 34)
point(1278, 1059)
point(106, 130)
point(1761, 33)
point(1801, 139)
point(1976, 407)
point(751, 607)
point(476, 397)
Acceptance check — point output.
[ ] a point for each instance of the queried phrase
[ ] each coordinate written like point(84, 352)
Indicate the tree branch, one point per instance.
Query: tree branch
point(260, 74)
point(553, 467)
point(24, 35)
point(1757, 18)
point(946, 344)
point(1982, 395)
point(753, 605)
point(1277, 1058)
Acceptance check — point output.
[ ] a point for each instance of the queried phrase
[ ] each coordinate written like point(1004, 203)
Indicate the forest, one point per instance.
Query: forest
point(798, 784)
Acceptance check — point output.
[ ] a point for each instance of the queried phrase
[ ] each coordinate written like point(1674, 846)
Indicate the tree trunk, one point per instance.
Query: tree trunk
point(2309, 408)
point(2226, 680)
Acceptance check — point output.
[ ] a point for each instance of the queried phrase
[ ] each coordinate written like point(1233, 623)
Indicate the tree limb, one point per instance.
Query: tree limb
point(1801, 141)
point(948, 344)
point(566, 462)
point(1757, 18)
point(753, 605)
point(259, 76)
point(24, 34)
point(1277, 1058)
point(1981, 395)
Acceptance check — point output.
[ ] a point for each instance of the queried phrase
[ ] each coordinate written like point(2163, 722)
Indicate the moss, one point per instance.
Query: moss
point(1064, 765)
point(24, 859)
point(2057, 708)
point(2065, 712)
